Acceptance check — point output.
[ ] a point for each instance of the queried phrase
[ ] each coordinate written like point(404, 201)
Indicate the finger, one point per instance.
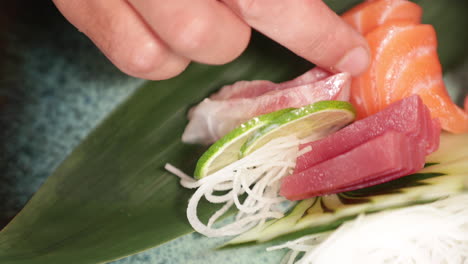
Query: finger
point(202, 30)
point(123, 37)
point(308, 28)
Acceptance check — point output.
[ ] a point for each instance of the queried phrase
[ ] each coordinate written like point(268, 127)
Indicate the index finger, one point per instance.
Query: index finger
point(310, 29)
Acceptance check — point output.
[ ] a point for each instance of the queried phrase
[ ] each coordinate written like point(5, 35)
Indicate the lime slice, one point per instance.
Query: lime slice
point(226, 150)
point(312, 122)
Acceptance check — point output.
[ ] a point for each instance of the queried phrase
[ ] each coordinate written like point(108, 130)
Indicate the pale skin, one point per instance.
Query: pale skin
point(157, 39)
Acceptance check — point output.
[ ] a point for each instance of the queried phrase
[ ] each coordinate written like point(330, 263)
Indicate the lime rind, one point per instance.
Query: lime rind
point(226, 150)
point(314, 121)
point(259, 130)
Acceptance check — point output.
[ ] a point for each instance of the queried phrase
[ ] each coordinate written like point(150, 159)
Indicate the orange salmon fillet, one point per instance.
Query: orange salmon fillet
point(371, 14)
point(404, 62)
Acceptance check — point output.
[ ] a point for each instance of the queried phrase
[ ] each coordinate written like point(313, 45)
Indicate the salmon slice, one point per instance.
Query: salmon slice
point(367, 17)
point(393, 46)
point(405, 62)
point(466, 103)
point(364, 88)
point(371, 14)
point(421, 64)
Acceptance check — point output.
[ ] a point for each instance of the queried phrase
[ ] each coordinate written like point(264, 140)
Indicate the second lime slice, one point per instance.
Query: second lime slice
point(312, 122)
point(226, 150)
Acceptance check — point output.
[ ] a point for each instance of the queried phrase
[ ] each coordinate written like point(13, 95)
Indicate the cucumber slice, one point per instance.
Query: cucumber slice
point(448, 175)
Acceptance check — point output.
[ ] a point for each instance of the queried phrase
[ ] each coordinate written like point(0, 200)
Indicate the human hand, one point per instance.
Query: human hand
point(157, 39)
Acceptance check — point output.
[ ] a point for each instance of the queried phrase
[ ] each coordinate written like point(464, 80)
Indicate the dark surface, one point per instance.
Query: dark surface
point(55, 86)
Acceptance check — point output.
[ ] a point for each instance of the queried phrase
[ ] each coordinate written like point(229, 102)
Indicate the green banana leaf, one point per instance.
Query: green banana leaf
point(113, 186)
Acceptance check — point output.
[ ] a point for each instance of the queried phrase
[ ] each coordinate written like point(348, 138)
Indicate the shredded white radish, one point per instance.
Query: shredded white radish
point(430, 233)
point(257, 175)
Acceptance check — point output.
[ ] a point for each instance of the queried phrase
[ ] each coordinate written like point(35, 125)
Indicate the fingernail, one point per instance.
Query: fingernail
point(354, 62)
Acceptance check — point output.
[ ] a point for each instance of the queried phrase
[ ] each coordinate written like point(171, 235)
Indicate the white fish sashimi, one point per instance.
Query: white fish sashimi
point(212, 119)
point(249, 89)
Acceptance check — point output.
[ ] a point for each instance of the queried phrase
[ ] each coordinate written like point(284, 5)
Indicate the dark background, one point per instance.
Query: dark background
point(55, 86)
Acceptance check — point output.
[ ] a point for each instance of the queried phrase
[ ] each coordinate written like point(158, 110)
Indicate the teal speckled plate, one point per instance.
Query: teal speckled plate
point(55, 87)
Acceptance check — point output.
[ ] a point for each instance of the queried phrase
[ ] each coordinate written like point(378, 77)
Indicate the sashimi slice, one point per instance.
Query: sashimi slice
point(405, 62)
point(403, 164)
point(430, 132)
point(212, 119)
point(366, 17)
point(364, 88)
point(369, 15)
point(387, 65)
point(452, 118)
point(466, 103)
point(408, 116)
point(412, 160)
point(250, 89)
point(434, 136)
point(375, 161)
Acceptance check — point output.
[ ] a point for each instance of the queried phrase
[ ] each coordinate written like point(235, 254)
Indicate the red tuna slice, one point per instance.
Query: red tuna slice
point(412, 157)
point(250, 89)
point(434, 136)
point(408, 116)
point(426, 131)
point(375, 161)
point(212, 119)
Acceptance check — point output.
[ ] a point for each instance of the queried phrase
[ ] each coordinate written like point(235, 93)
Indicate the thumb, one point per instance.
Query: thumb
point(310, 29)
